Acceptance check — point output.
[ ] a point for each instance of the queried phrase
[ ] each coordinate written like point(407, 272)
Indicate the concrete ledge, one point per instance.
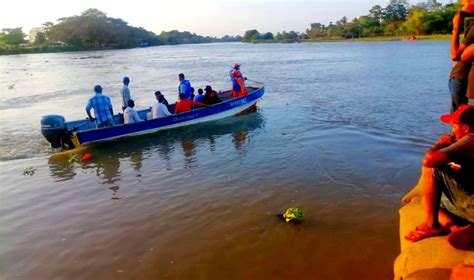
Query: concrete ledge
point(420, 260)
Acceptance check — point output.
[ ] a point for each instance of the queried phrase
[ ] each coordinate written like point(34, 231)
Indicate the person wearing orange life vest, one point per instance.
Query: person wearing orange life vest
point(238, 85)
point(234, 72)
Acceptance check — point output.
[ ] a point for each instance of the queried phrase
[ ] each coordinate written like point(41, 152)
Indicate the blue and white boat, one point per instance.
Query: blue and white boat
point(75, 134)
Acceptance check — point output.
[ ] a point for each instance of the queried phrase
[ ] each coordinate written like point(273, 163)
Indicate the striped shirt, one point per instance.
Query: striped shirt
point(101, 105)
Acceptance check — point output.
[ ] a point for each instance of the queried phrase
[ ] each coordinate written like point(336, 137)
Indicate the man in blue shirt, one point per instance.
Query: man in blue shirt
point(184, 86)
point(102, 108)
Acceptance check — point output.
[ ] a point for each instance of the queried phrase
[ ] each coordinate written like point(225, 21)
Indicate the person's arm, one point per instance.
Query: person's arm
point(136, 117)
point(111, 110)
point(182, 88)
point(467, 54)
point(199, 104)
point(456, 47)
point(166, 112)
point(436, 158)
point(88, 111)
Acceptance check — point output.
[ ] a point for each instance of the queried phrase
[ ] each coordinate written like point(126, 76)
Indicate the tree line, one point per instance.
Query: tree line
point(397, 18)
point(94, 29)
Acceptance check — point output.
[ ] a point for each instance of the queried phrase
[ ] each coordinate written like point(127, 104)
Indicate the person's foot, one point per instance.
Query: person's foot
point(462, 238)
point(415, 192)
point(423, 231)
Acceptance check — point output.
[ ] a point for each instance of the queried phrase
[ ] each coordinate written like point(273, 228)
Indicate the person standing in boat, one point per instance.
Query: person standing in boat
point(125, 93)
point(184, 86)
point(160, 110)
point(238, 85)
point(102, 106)
point(130, 115)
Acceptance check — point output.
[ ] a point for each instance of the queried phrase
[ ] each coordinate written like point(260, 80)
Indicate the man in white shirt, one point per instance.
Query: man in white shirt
point(160, 110)
point(125, 92)
point(130, 115)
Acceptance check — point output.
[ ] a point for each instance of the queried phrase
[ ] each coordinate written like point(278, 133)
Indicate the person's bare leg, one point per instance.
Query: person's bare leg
point(431, 205)
point(432, 198)
point(416, 191)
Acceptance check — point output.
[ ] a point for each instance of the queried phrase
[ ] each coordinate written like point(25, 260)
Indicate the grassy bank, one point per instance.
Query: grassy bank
point(363, 39)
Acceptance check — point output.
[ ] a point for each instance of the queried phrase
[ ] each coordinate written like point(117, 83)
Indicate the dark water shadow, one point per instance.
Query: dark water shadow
point(107, 156)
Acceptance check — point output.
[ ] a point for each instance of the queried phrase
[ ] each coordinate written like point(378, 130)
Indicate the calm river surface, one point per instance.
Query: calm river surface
point(339, 133)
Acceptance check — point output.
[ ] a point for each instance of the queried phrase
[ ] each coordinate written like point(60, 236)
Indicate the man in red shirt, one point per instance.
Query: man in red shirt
point(185, 105)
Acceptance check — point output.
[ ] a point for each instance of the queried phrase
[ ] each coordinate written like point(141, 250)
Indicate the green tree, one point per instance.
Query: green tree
point(376, 12)
point(251, 35)
point(40, 38)
point(316, 30)
point(13, 36)
point(267, 36)
point(414, 24)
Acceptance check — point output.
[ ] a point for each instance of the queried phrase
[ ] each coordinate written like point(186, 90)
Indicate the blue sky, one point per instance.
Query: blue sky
point(204, 17)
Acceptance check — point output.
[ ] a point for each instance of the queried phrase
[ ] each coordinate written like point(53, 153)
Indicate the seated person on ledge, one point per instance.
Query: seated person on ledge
point(447, 180)
point(130, 115)
point(185, 105)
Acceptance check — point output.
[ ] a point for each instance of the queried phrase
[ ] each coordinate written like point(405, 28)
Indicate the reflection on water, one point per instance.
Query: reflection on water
point(107, 156)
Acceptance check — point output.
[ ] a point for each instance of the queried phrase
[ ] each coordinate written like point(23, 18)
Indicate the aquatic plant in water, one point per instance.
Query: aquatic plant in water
point(30, 170)
point(71, 158)
point(293, 214)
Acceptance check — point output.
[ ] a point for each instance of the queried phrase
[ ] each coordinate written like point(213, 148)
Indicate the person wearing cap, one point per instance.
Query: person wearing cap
point(185, 105)
point(130, 115)
point(210, 97)
point(235, 68)
point(459, 76)
point(184, 86)
point(102, 106)
point(234, 74)
point(447, 179)
point(125, 92)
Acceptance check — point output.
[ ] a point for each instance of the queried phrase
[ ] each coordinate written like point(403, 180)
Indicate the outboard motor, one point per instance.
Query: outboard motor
point(53, 128)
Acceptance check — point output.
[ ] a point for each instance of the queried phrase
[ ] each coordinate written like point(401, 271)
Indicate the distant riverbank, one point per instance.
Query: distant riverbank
point(363, 39)
point(56, 49)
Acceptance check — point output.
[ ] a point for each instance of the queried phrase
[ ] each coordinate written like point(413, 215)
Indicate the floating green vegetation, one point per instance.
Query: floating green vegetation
point(30, 170)
point(71, 158)
point(293, 214)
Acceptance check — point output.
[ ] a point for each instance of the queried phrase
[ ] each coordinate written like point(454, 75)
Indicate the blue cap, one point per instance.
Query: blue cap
point(98, 88)
point(126, 80)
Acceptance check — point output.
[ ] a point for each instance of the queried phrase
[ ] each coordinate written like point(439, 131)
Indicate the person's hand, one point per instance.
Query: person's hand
point(457, 21)
point(445, 140)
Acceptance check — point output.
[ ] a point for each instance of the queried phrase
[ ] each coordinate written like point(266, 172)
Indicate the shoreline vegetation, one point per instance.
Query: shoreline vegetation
point(93, 30)
point(362, 39)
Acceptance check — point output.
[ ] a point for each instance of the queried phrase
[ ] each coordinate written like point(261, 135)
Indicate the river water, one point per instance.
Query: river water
point(339, 133)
